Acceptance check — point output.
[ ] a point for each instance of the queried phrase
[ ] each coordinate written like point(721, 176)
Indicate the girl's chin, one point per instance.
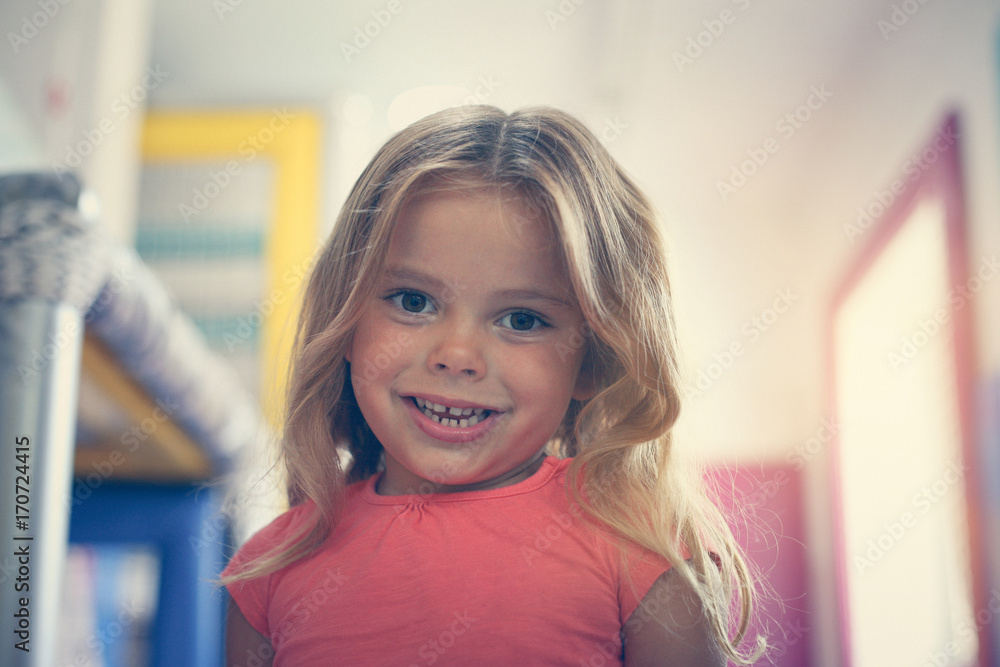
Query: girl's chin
point(470, 477)
point(453, 479)
point(427, 478)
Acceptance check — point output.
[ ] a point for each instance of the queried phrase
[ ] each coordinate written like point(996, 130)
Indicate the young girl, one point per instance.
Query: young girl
point(489, 335)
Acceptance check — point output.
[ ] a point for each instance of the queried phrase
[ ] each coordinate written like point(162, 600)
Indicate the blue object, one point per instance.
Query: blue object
point(183, 525)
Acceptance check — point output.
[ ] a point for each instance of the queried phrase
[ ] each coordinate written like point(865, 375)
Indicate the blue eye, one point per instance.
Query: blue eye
point(411, 302)
point(523, 321)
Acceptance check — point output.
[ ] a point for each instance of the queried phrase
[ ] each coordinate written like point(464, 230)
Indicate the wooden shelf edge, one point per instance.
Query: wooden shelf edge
point(164, 452)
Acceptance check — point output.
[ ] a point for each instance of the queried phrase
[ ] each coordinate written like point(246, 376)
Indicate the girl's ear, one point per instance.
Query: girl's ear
point(586, 378)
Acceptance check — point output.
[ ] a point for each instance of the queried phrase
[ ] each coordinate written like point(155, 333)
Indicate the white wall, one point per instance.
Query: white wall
point(19, 148)
point(77, 71)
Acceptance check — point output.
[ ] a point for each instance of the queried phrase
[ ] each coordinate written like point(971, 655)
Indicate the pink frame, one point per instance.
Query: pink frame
point(942, 178)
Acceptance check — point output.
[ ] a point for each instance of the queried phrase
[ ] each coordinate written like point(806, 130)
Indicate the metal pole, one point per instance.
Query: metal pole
point(37, 420)
point(50, 270)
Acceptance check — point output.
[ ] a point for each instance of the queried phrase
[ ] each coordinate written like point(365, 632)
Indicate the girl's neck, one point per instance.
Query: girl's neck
point(518, 474)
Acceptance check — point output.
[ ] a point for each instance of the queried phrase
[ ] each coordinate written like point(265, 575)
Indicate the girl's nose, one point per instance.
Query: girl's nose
point(457, 353)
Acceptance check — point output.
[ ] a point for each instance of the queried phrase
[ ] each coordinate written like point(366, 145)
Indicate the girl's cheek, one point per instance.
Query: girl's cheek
point(543, 368)
point(394, 343)
point(379, 347)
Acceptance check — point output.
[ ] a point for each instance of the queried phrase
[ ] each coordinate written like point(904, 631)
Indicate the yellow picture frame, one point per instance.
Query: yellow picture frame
point(290, 140)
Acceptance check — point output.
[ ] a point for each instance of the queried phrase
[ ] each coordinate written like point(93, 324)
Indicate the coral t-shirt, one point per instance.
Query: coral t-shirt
point(504, 576)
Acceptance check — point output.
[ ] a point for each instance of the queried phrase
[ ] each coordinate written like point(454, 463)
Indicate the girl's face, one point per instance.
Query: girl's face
point(466, 357)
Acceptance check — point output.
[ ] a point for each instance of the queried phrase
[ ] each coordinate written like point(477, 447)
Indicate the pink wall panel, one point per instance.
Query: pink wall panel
point(764, 504)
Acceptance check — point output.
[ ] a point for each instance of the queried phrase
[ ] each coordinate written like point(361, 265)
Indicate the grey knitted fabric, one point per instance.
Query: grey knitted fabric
point(48, 249)
point(159, 346)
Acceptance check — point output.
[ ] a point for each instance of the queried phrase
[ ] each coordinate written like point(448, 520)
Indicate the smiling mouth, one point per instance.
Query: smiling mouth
point(451, 416)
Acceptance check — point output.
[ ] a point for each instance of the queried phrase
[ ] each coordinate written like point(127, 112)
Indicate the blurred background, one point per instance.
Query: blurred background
point(827, 176)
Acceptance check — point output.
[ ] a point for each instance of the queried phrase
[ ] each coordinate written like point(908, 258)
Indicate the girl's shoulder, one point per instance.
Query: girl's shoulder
point(296, 520)
point(267, 538)
point(290, 519)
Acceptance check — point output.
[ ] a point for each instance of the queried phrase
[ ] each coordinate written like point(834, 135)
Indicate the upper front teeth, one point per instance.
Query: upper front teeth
point(470, 416)
point(457, 412)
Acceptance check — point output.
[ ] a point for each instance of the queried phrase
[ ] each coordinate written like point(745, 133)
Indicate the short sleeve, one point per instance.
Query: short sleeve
point(644, 567)
point(639, 570)
point(252, 596)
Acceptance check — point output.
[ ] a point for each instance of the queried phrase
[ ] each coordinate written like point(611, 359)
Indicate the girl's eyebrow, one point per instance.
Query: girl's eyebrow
point(533, 295)
point(407, 274)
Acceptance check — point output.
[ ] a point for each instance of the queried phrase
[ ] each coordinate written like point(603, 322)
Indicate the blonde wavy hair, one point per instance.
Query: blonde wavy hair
point(620, 438)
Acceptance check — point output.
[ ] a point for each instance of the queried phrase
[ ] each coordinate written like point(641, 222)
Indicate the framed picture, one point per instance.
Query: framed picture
point(910, 568)
point(229, 218)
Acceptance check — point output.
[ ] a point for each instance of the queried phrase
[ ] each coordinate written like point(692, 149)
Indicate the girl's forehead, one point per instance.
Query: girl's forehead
point(480, 236)
point(473, 207)
point(454, 190)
